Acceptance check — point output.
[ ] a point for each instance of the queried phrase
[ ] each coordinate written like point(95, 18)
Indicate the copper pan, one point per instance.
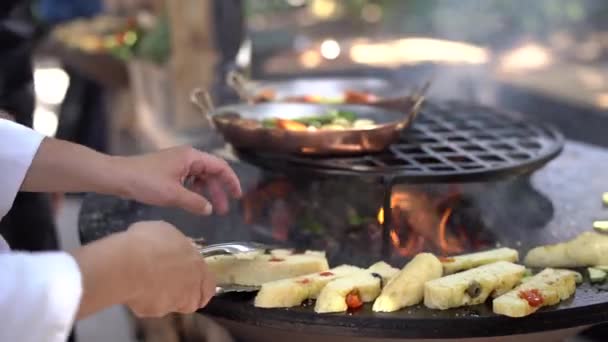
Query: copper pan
point(241, 125)
point(381, 91)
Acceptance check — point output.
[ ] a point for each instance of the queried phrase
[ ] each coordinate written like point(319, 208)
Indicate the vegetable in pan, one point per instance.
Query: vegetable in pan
point(332, 120)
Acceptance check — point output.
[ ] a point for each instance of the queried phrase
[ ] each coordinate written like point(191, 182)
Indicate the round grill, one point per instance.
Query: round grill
point(449, 142)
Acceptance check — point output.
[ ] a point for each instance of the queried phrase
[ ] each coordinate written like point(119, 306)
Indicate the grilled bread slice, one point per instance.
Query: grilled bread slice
point(473, 286)
point(549, 287)
point(468, 261)
point(407, 287)
point(264, 268)
point(587, 249)
point(352, 291)
point(292, 292)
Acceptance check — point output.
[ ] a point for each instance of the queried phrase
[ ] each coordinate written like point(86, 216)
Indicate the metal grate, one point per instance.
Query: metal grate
point(449, 142)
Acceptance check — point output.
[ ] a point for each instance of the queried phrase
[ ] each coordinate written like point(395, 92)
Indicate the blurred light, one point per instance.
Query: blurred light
point(372, 13)
point(324, 8)
point(243, 57)
point(529, 56)
point(296, 3)
point(51, 85)
point(310, 59)
point(601, 100)
point(45, 121)
point(417, 50)
point(330, 49)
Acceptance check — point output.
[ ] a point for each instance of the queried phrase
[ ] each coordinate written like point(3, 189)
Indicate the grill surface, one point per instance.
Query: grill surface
point(449, 142)
point(588, 306)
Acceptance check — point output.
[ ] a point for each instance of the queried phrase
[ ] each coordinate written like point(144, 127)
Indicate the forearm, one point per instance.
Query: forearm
point(107, 274)
point(61, 166)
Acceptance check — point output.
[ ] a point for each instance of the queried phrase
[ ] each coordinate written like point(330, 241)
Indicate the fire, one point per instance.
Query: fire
point(419, 224)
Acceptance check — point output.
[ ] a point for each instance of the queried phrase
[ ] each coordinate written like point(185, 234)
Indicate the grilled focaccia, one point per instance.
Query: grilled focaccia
point(468, 261)
point(352, 291)
point(264, 268)
point(473, 286)
point(549, 287)
point(293, 291)
point(407, 287)
point(587, 249)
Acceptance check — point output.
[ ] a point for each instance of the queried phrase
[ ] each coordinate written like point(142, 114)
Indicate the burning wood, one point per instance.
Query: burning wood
point(421, 222)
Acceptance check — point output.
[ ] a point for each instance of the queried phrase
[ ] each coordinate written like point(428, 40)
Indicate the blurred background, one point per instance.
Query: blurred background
point(116, 75)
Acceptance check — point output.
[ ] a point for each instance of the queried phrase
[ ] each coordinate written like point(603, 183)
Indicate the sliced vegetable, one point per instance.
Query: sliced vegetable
point(596, 275)
point(605, 198)
point(353, 300)
point(269, 123)
point(290, 125)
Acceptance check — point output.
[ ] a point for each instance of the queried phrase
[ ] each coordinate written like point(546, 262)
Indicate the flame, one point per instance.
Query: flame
point(442, 225)
point(418, 226)
point(395, 238)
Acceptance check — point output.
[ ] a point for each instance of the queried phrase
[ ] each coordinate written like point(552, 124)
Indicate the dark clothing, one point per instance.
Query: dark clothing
point(29, 224)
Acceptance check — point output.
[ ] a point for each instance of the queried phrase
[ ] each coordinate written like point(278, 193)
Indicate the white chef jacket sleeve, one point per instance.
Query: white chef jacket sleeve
point(18, 146)
point(39, 293)
point(39, 296)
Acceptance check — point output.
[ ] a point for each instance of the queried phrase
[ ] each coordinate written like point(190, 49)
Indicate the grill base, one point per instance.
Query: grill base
point(251, 333)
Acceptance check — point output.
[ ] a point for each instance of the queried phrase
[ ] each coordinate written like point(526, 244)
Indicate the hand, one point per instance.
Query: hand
point(158, 179)
point(174, 276)
point(152, 267)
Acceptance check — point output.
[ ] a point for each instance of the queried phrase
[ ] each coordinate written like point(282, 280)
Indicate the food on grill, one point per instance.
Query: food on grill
point(350, 292)
point(262, 268)
point(468, 261)
point(600, 226)
point(349, 96)
point(407, 287)
point(549, 287)
point(332, 120)
point(587, 249)
point(292, 292)
point(596, 275)
point(473, 286)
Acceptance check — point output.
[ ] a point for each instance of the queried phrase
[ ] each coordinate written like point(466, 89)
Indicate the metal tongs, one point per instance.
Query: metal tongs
point(239, 249)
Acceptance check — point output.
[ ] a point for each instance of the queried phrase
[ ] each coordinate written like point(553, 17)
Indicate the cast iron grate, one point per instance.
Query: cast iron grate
point(449, 142)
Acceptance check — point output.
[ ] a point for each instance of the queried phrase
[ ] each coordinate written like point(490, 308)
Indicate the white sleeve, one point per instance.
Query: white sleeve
point(18, 146)
point(39, 296)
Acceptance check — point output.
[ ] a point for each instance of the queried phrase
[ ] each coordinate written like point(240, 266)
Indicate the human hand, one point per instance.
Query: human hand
point(152, 267)
point(172, 274)
point(158, 179)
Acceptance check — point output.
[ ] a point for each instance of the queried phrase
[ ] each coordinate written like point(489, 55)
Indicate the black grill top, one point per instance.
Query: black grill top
point(449, 142)
point(588, 306)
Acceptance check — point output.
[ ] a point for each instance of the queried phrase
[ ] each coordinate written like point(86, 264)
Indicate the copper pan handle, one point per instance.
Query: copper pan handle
point(238, 82)
point(202, 101)
point(418, 97)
